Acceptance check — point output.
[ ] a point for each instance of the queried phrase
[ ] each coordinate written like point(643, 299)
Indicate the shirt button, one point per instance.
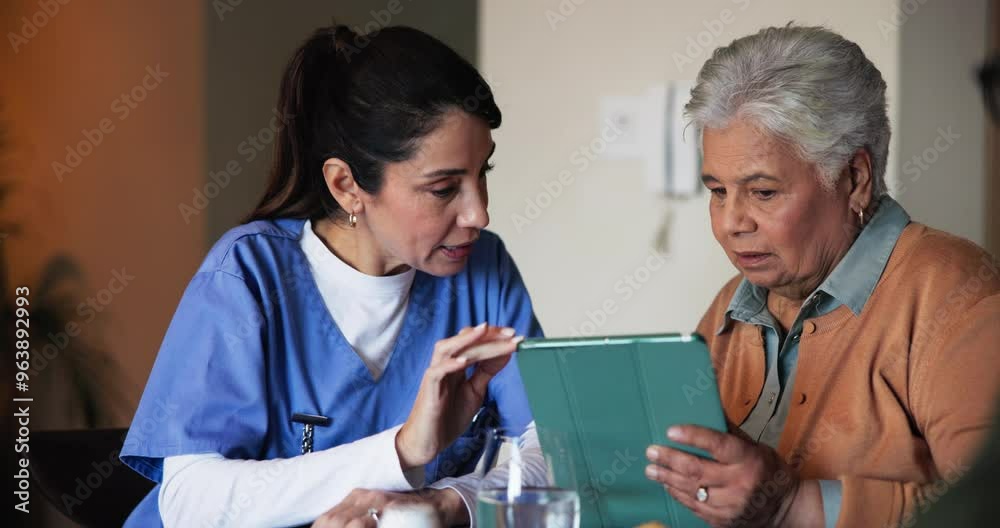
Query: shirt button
point(810, 327)
point(770, 398)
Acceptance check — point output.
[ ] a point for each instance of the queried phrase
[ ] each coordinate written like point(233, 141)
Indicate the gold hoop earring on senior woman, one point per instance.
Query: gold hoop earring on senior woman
point(352, 220)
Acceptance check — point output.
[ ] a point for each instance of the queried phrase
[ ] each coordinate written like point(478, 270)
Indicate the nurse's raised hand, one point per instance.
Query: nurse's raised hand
point(448, 399)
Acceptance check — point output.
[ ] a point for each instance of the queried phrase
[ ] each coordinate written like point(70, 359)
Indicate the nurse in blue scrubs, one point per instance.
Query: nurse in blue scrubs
point(347, 345)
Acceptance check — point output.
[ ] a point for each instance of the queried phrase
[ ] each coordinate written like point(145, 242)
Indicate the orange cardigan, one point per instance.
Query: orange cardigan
point(895, 401)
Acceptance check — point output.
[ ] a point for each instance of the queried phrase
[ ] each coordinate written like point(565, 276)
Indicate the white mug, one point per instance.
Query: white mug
point(410, 516)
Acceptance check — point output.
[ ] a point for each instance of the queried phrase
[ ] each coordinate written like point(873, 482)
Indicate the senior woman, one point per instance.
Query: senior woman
point(857, 351)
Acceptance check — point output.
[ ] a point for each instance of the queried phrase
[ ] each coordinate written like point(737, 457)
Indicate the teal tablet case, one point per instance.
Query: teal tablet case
point(598, 402)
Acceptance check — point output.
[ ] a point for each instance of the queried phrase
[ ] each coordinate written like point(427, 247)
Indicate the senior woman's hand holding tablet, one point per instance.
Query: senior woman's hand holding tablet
point(739, 469)
point(857, 350)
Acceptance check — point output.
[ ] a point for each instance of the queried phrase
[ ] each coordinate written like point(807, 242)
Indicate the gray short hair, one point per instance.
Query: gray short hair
point(808, 86)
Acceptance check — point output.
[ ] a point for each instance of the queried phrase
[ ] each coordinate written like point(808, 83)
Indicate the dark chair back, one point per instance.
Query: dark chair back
point(80, 474)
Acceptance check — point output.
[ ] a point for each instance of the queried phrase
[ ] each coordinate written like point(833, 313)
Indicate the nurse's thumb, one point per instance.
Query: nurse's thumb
point(480, 379)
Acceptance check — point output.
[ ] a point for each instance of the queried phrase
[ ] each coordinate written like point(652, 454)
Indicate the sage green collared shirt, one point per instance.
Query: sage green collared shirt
point(851, 283)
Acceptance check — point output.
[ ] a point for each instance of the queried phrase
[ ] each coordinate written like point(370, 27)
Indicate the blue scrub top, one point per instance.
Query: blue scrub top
point(252, 343)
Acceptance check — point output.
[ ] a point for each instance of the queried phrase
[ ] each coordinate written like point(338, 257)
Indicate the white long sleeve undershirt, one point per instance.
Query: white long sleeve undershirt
point(207, 490)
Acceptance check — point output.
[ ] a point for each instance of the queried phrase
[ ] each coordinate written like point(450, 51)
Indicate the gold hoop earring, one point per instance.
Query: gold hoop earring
point(352, 220)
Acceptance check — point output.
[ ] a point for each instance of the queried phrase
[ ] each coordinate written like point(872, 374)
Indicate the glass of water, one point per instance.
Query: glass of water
point(521, 491)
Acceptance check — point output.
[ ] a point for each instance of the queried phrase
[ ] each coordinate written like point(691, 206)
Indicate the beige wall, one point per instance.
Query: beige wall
point(942, 125)
point(601, 228)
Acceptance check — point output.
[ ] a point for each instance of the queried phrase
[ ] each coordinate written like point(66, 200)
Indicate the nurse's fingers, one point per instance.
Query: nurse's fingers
point(495, 333)
point(450, 347)
point(486, 350)
point(353, 510)
point(447, 347)
point(473, 354)
point(468, 329)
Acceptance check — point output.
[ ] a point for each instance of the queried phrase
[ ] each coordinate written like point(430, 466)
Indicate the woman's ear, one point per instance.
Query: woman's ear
point(860, 174)
point(340, 182)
